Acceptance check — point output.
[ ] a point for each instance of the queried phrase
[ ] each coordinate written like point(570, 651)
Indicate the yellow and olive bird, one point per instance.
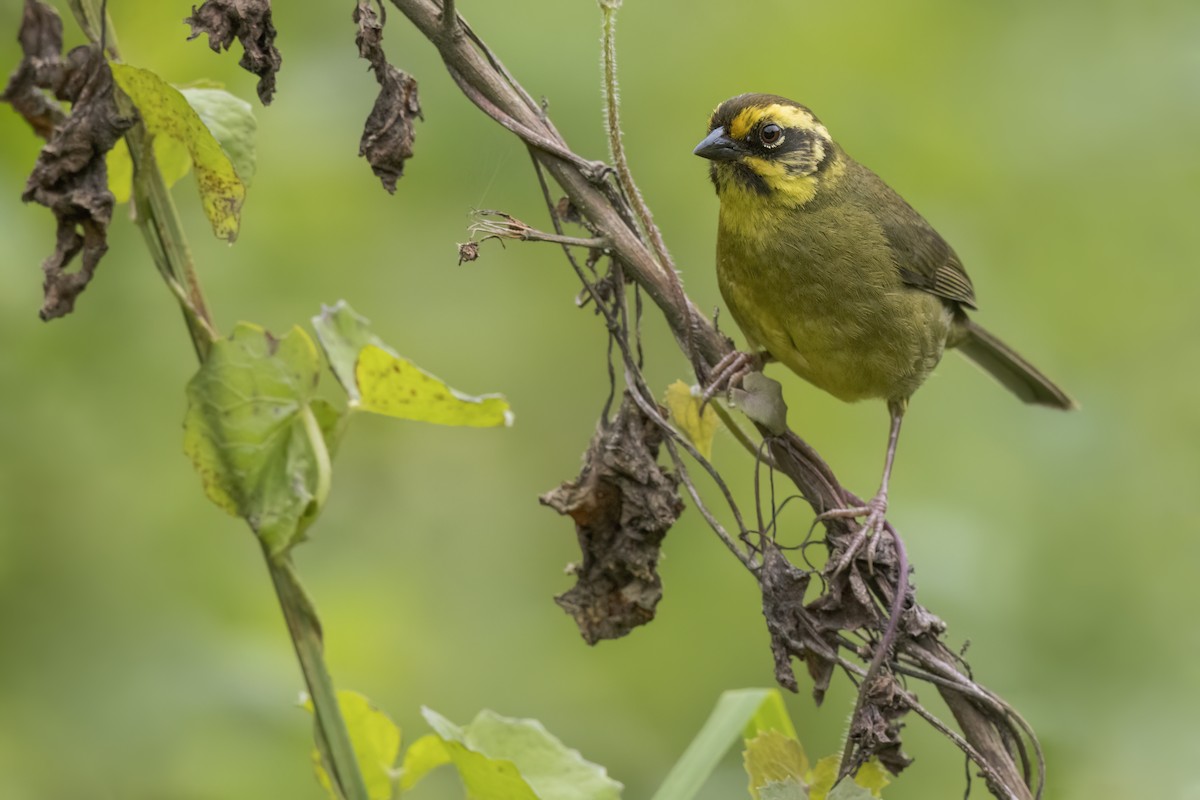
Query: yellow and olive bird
point(829, 271)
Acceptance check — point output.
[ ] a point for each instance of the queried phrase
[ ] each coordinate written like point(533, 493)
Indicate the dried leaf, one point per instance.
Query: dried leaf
point(250, 22)
point(387, 140)
point(623, 504)
point(70, 177)
point(41, 68)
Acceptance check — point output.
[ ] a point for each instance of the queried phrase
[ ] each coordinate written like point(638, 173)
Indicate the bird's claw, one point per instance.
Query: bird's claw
point(728, 373)
point(868, 533)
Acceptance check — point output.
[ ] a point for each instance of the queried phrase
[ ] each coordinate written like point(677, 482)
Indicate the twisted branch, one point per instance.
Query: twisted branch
point(991, 729)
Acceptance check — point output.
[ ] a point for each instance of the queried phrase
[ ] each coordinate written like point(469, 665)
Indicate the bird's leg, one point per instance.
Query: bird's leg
point(729, 371)
point(875, 510)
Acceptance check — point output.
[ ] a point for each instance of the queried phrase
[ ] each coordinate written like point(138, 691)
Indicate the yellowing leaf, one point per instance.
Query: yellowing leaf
point(376, 742)
point(394, 386)
point(166, 112)
point(380, 381)
point(773, 757)
point(873, 777)
point(173, 163)
point(422, 757)
point(772, 715)
point(228, 118)
point(869, 781)
point(699, 428)
point(738, 714)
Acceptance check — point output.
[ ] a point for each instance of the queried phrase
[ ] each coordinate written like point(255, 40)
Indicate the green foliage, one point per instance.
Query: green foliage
point(774, 759)
point(500, 758)
point(253, 435)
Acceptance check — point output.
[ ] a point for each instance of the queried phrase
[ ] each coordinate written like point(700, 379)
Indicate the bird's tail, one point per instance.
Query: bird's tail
point(1017, 374)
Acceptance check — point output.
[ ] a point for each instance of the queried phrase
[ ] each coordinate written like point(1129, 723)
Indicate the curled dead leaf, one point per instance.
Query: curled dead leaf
point(70, 177)
point(387, 139)
point(41, 68)
point(623, 503)
point(250, 22)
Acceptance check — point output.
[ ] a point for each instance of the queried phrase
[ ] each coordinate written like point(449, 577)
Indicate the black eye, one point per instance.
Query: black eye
point(770, 135)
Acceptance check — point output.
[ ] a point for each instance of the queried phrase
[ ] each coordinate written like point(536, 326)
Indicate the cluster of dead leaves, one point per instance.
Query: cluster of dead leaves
point(70, 177)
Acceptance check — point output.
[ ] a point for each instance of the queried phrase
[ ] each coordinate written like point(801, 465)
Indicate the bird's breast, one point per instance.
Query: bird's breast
point(819, 290)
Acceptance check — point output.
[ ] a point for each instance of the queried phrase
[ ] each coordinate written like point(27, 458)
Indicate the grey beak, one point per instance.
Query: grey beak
point(718, 147)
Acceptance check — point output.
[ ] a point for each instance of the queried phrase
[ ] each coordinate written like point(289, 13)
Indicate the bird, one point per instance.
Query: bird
point(828, 271)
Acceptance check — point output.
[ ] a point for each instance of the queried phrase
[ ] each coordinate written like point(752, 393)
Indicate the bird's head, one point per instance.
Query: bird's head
point(767, 148)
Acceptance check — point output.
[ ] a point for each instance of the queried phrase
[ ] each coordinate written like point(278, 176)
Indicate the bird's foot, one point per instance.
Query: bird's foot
point(875, 513)
point(728, 373)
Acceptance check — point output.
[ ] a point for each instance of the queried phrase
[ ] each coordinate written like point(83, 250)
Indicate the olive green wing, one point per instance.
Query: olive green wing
point(925, 260)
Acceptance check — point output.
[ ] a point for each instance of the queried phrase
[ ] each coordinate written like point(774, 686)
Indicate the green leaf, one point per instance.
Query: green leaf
point(382, 382)
point(230, 120)
point(736, 711)
point(165, 112)
point(499, 758)
point(254, 436)
point(790, 789)
point(850, 790)
point(376, 741)
point(772, 757)
point(699, 427)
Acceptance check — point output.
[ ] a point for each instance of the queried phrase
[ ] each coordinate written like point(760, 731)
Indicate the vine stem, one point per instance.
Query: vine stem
point(305, 629)
point(482, 77)
point(162, 229)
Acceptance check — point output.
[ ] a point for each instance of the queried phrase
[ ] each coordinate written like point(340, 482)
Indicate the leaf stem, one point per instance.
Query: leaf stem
point(305, 630)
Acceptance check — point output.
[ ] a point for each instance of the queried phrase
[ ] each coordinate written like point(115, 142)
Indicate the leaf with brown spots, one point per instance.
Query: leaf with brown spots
point(387, 140)
point(623, 503)
point(256, 434)
point(165, 112)
point(250, 22)
point(382, 382)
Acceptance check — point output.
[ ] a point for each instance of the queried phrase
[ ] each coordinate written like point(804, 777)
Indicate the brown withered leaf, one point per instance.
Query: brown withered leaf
point(875, 729)
point(623, 503)
point(387, 139)
point(70, 177)
point(41, 68)
point(250, 22)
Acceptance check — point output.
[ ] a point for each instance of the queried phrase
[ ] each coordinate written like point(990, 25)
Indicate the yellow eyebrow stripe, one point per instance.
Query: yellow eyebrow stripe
point(785, 116)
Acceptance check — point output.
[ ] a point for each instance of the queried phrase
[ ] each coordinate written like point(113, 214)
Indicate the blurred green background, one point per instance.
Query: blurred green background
point(1054, 144)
